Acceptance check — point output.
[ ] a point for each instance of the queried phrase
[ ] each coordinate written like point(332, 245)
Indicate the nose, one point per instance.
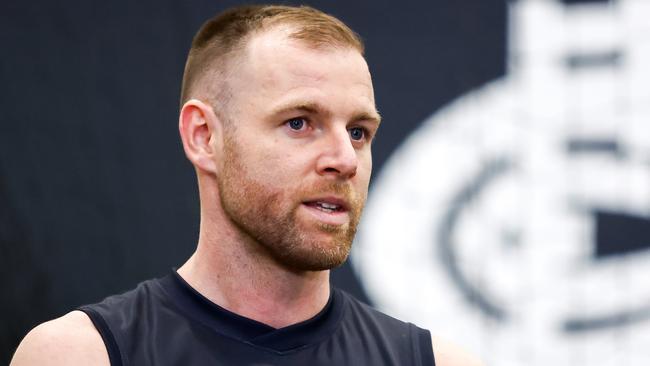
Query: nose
point(339, 157)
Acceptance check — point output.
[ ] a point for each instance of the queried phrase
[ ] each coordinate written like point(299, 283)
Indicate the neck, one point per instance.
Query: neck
point(249, 283)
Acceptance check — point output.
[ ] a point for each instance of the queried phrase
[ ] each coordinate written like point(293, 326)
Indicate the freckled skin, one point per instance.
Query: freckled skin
point(267, 172)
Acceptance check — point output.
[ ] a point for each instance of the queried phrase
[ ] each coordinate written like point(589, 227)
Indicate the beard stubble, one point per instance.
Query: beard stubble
point(268, 215)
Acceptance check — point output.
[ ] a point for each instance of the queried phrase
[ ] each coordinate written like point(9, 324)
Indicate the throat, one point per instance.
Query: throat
point(266, 294)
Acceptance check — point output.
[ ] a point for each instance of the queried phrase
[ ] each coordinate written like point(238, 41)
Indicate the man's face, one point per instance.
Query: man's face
point(297, 161)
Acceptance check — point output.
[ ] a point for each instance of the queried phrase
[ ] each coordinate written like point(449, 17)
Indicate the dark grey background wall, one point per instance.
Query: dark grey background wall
point(95, 192)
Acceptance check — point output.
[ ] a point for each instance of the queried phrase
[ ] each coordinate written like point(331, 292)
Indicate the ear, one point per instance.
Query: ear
point(201, 132)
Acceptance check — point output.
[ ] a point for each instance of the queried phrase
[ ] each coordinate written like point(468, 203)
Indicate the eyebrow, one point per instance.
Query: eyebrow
point(316, 108)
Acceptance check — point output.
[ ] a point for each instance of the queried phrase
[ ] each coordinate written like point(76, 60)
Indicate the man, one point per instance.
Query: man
point(277, 117)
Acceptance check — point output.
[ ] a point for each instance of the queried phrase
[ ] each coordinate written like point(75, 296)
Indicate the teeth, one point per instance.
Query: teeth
point(328, 206)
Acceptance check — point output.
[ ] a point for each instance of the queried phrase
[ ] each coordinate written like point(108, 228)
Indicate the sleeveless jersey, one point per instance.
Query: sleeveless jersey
point(166, 322)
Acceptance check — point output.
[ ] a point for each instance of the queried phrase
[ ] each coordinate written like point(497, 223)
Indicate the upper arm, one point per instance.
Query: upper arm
point(69, 340)
point(449, 354)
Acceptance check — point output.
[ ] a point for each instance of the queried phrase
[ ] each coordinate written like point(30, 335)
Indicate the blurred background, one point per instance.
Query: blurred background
point(510, 205)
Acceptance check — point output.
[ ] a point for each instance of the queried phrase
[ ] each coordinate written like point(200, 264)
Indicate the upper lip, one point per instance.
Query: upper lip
point(343, 204)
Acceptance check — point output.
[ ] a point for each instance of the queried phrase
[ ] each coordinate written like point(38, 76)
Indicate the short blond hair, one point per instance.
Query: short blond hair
point(221, 37)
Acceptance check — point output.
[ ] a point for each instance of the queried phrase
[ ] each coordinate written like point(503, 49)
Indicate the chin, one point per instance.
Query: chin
point(315, 255)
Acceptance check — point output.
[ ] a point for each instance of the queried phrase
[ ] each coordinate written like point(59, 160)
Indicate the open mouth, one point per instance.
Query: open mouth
point(328, 210)
point(326, 206)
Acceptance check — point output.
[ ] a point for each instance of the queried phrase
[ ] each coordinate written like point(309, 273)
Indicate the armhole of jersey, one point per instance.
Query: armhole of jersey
point(112, 348)
point(422, 346)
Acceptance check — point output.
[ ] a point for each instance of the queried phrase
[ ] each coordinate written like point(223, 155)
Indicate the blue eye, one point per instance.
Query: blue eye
point(296, 123)
point(357, 133)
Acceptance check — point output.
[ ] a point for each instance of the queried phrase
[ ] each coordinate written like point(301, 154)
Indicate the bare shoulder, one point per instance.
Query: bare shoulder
point(69, 340)
point(449, 354)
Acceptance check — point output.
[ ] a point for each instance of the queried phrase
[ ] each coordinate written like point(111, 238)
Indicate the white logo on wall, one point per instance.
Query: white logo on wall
point(516, 221)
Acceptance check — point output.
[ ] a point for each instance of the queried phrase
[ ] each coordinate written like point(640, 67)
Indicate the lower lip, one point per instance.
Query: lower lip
point(331, 218)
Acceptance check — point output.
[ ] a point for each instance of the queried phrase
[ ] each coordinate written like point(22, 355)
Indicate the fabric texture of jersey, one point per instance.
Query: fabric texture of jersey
point(166, 322)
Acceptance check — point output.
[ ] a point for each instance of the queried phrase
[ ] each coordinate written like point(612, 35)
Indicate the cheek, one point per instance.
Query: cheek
point(278, 168)
point(364, 170)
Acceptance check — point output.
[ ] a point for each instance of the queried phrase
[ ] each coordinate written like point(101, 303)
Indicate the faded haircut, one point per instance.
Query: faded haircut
point(222, 38)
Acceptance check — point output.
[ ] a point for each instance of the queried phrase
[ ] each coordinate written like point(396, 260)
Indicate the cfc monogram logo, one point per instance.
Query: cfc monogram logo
point(517, 219)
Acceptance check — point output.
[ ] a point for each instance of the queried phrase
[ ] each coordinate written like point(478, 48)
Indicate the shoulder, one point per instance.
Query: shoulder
point(69, 340)
point(450, 354)
point(445, 353)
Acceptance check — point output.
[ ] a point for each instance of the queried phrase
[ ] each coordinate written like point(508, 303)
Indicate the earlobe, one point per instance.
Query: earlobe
point(201, 134)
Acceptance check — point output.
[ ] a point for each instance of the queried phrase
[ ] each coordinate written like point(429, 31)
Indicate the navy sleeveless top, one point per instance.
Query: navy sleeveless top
point(166, 322)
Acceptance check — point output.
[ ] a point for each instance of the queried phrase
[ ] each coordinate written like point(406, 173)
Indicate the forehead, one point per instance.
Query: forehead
point(273, 65)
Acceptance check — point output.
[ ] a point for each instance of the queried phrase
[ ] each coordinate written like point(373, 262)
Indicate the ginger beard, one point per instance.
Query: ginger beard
point(268, 215)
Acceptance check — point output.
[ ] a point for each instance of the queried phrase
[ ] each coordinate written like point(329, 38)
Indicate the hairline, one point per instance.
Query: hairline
point(227, 64)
